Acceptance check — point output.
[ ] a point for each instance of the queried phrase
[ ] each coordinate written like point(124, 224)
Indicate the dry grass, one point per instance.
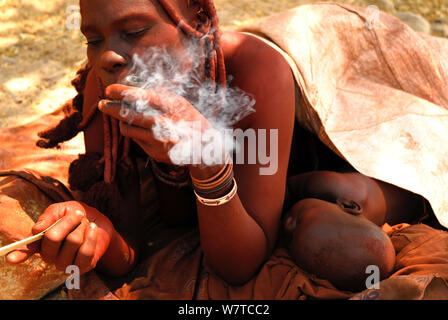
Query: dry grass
point(39, 54)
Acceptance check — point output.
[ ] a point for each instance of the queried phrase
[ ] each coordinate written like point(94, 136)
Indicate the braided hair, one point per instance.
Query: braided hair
point(93, 173)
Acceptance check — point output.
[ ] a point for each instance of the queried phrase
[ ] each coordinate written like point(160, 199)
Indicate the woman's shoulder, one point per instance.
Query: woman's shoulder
point(245, 53)
point(259, 69)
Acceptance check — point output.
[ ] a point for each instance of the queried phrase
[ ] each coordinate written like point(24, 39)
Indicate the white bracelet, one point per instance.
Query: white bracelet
point(220, 201)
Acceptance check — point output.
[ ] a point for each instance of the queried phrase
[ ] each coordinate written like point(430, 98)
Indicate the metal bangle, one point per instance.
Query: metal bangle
point(206, 192)
point(220, 201)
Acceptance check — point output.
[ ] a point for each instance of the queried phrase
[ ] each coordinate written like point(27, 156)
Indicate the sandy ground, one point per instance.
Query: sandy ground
point(40, 51)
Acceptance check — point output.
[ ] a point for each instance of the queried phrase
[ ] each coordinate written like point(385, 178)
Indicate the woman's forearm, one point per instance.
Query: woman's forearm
point(234, 244)
point(120, 257)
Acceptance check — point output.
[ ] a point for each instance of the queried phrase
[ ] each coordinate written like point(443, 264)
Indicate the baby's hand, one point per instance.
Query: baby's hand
point(80, 238)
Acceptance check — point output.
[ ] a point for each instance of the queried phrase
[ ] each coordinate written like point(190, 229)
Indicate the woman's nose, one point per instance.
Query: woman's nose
point(112, 62)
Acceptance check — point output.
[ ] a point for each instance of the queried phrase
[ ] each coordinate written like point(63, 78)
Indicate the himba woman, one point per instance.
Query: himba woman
point(329, 218)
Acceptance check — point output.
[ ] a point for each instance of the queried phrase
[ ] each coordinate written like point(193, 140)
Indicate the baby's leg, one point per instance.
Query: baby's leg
point(335, 245)
point(378, 201)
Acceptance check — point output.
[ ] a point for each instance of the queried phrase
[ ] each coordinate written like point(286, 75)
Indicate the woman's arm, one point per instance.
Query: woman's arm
point(237, 237)
point(120, 257)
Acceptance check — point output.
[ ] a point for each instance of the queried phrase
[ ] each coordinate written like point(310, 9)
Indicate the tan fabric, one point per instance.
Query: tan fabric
point(378, 96)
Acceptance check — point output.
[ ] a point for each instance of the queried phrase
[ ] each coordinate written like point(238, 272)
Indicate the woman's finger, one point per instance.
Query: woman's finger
point(136, 132)
point(21, 255)
point(120, 91)
point(132, 95)
point(53, 238)
point(121, 112)
point(158, 98)
point(71, 245)
point(52, 214)
point(163, 132)
point(85, 259)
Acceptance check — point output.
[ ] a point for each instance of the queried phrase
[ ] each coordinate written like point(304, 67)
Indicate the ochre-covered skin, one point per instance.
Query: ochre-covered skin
point(239, 236)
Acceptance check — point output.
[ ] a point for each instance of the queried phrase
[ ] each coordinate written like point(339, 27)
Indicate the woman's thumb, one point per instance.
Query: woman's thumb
point(20, 255)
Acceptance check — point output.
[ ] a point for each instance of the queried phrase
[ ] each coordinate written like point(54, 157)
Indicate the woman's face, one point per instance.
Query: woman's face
point(117, 29)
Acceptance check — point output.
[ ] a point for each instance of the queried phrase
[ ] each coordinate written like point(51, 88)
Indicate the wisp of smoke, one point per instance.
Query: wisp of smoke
point(180, 73)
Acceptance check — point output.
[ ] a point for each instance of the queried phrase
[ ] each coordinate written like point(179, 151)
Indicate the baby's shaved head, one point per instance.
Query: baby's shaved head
point(336, 245)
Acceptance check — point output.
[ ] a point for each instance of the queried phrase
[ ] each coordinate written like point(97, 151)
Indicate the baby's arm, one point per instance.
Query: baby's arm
point(379, 202)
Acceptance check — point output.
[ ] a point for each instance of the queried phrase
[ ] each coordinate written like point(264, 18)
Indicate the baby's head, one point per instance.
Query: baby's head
point(338, 246)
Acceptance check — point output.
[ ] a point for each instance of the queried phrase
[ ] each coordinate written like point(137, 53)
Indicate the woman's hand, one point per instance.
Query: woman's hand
point(159, 119)
point(80, 238)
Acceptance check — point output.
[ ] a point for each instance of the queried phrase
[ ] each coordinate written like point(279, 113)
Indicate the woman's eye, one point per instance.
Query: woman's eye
point(137, 33)
point(94, 42)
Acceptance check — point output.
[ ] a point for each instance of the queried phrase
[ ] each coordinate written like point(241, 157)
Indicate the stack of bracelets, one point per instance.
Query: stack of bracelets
point(203, 189)
point(221, 181)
